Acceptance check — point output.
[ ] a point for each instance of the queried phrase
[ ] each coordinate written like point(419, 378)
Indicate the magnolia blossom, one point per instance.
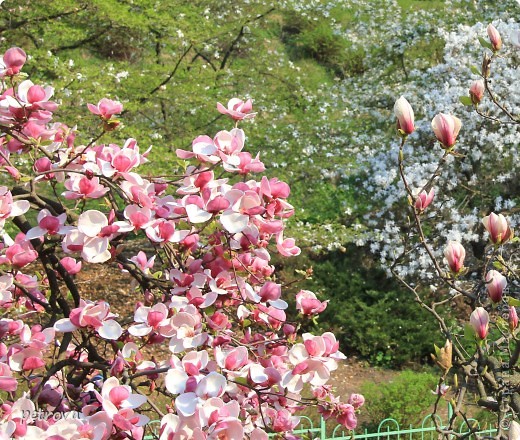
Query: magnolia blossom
point(237, 109)
point(455, 254)
point(446, 129)
point(513, 318)
point(106, 108)
point(495, 284)
point(476, 91)
point(12, 61)
point(498, 228)
point(424, 199)
point(404, 114)
point(494, 38)
point(308, 304)
point(479, 320)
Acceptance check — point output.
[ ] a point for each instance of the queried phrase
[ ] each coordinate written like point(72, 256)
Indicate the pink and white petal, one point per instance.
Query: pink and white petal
point(64, 325)
point(234, 222)
point(175, 381)
point(186, 404)
point(110, 330)
point(140, 330)
point(197, 215)
point(91, 222)
point(95, 250)
point(19, 207)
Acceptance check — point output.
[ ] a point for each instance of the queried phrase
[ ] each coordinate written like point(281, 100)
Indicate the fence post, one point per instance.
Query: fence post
point(323, 428)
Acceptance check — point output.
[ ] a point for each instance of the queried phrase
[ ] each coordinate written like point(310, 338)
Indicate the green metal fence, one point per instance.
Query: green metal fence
point(388, 429)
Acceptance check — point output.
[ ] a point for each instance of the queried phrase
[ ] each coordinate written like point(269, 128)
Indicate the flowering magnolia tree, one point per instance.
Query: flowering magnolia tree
point(205, 293)
point(482, 348)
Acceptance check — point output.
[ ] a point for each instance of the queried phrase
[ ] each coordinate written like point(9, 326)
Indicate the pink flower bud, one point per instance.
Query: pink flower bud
point(495, 284)
point(498, 228)
point(446, 129)
point(494, 38)
point(479, 320)
point(423, 200)
point(455, 254)
point(404, 114)
point(513, 318)
point(14, 59)
point(476, 91)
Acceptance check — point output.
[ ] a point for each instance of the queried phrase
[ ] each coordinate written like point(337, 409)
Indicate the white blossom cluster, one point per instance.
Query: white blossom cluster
point(484, 179)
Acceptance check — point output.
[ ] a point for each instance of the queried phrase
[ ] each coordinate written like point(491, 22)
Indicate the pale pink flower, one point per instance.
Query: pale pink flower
point(423, 200)
point(237, 109)
point(479, 320)
point(308, 304)
point(495, 284)
point(455, 254)
point(446, 129)
point(48, 224)
point(476, 91)
point(404, 114)
point(106, 108)
point(498, 228)
point(494, 38)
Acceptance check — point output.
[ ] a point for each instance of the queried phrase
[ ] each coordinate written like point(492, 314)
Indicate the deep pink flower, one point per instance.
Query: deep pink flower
point(12, 62)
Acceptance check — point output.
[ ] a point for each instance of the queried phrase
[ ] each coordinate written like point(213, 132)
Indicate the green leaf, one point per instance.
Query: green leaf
point(475, 70)
point(469, 333)
point(513, 302)
point(498, 265)
point(465, 100)
point(240, 380)
point(485, 43)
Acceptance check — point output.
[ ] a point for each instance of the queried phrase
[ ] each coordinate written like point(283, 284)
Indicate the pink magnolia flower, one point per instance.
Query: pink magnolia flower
point(71, 265)
point(455, 254)
point(106, 108)
point(308, 304)
point(404, 114)
point(494, 38)
point(21, 253)
point(476, 91)
point(498, 228)
point(446, 129)
point(424, 199)
point(12, 61)
point(495, 284)
point(237, 109)
point(48, 224)
point(83, 187)
point(90, 314)
point(513, 318)
point(479, 320)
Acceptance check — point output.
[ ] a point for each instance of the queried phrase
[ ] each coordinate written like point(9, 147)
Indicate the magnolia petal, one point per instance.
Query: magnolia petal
point(110, 330)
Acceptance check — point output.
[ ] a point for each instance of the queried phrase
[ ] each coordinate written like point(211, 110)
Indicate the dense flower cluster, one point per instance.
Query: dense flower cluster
point(235, 368)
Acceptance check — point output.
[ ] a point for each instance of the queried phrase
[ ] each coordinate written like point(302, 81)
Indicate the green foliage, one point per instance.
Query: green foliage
point(370, 312)
point(406, 398)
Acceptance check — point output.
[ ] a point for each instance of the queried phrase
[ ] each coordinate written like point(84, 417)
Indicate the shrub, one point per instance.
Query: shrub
point(405, 399)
